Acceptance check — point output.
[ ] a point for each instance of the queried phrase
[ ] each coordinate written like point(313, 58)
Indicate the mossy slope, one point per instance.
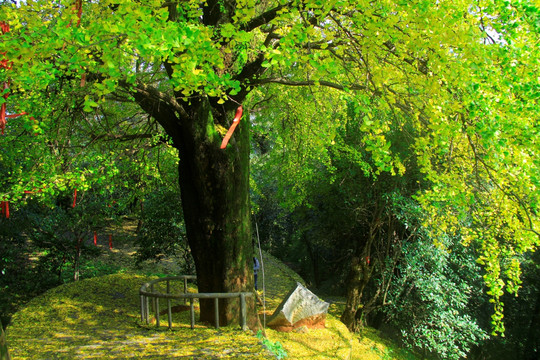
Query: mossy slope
point(99, 319)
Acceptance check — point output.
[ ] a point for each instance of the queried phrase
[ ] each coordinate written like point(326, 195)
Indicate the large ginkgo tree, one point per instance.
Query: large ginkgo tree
point(464, 74)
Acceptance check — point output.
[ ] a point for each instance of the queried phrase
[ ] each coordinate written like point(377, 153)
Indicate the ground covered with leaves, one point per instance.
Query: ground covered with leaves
point(99, 318)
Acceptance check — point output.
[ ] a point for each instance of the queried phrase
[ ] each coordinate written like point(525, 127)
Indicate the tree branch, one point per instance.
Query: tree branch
point(288, 82)
point(118, 137)
point(162, 107)
point(263, 19)
point(152, 93)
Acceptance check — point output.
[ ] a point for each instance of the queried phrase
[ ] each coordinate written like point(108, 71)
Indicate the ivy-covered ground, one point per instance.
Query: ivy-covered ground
point(99, 318)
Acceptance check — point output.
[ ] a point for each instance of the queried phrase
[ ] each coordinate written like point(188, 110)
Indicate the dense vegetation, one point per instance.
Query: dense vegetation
point(387, 150)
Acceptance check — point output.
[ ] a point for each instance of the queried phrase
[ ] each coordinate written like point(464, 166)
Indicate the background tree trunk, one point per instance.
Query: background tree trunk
point(4, 353)
point(357, 279)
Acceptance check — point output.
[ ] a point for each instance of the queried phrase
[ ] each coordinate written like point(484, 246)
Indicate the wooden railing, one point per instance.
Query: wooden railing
point(148, 291)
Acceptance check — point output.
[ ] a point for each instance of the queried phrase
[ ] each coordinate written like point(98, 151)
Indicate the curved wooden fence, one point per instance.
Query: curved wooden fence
point(148, 291)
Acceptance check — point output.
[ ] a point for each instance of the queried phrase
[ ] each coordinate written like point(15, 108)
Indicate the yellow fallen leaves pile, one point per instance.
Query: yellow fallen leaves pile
point(99, 318)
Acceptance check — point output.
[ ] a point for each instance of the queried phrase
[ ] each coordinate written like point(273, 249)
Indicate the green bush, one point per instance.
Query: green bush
point(431, 296)
point(163, 233)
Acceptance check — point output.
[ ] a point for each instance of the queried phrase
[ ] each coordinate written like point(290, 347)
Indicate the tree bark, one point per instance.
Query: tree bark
point(357, 279)
point(214, 185)
point(4, 353)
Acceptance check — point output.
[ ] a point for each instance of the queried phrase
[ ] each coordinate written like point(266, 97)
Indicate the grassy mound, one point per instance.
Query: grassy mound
point(99, 318)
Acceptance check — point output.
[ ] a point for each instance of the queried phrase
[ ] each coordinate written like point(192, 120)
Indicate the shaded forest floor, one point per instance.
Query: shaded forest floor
point(99, 318)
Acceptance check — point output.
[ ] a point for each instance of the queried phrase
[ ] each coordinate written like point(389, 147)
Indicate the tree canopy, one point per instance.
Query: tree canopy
point(457, 80)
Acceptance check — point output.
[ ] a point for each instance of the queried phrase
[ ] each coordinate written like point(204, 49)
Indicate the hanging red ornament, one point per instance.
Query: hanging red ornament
point(110, 242)
point(95, 238)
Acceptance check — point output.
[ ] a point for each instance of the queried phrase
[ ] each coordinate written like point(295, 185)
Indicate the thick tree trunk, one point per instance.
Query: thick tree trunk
point(214, 185)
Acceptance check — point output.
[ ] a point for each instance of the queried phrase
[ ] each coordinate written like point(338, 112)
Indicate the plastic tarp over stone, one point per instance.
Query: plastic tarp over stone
point(300, 308)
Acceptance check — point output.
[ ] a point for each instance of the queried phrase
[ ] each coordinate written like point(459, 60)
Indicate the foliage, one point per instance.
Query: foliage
point(432, 296)
point(163, 231)
point(462, 73)
point(522, 319)
point(374, 343)
point(20, 279)
point(274, 347)
point(65, 233)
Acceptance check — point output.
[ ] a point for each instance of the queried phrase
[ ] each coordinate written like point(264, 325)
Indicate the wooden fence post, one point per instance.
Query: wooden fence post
point(169, 310)
point(192, 312)
point(185, 288)
point(216, 311)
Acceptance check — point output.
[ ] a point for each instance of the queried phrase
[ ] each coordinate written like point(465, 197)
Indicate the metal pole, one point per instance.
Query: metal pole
point(157, 312)
point(169, 311)
point(216, 312)
point(153, 298)
point(185, 288)
point(243, 310)
point(147, 310)
point(192, 312)
point(142, 308)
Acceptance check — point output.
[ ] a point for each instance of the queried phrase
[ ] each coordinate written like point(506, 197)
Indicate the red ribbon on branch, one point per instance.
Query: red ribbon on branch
point(236, 120)
point(74, 198)
point(4, 27)
point(4, 63)
point(4, 209)
point(3, 109)
point(78, 8)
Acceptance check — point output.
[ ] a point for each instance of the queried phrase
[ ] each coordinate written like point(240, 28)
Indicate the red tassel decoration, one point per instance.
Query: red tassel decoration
point(95, 238)
point(74, 198)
